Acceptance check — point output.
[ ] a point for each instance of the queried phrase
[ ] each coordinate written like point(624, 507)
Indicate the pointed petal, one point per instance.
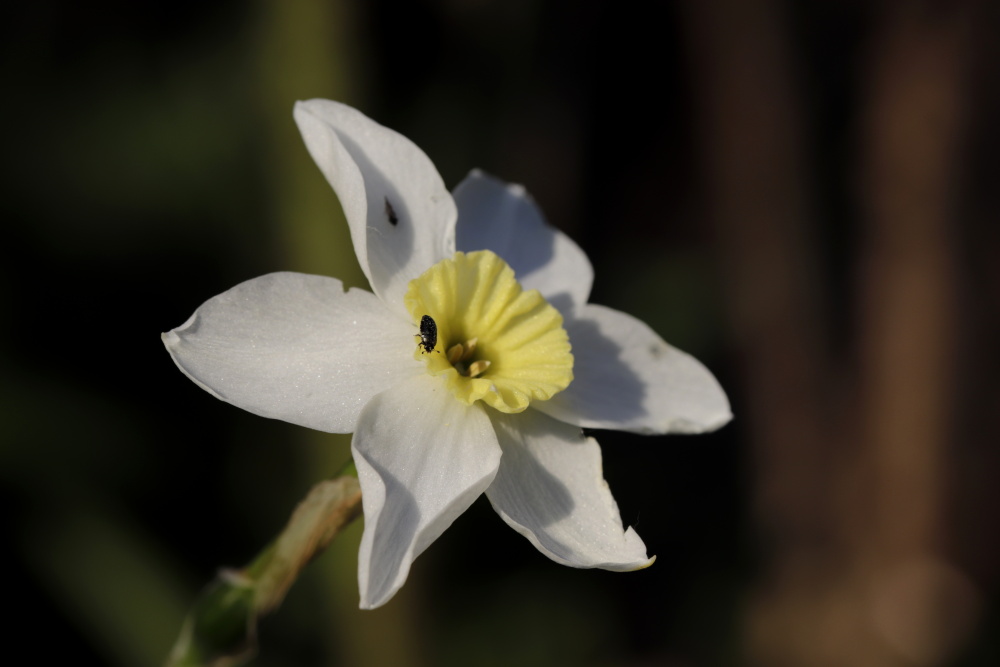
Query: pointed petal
point(625, 377)
point(422, 459)
point(503, 218)
point(295, 347)
point(402, 218)
point(550, 488)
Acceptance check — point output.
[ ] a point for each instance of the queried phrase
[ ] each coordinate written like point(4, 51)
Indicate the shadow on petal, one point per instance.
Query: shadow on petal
point(544, 499)
point(563, 302)
point(604, 388)
point(533, 256)
point(403, 531)
point(389, 215)
point(395, 532)
point(550, 488)
point(497, 216)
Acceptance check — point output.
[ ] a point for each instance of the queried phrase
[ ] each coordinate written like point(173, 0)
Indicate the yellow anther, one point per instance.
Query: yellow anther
point(477, 368)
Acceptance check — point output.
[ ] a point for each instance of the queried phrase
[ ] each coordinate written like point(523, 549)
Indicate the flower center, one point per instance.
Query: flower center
point(487, 337)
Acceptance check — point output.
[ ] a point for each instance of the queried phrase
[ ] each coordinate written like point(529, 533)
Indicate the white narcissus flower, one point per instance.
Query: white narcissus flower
point(492, 401)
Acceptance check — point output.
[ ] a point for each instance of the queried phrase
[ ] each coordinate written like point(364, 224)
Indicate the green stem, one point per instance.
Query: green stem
point(221, 627)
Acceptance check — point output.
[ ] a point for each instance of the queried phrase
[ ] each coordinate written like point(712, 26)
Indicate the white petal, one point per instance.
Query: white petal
point(625, 377)
point(422, 459)
point(550, 488)
point(402, 218)
point(295, 347)
point(493, 215)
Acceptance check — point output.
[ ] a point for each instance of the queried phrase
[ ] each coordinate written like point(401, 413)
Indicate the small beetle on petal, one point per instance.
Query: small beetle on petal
point(428, 333)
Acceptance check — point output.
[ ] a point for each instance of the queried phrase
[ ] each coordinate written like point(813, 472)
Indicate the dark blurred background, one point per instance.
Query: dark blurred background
point(803, 195)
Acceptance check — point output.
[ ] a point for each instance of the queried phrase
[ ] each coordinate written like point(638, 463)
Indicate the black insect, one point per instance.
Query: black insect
point(428, 333)
point(390, 213)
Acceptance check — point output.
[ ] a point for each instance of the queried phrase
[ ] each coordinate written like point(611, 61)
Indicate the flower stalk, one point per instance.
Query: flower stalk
point(221, 627)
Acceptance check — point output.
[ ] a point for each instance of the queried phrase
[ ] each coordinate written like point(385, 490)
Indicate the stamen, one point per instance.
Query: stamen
point(470, 347)
point(477, 368)
point(455, 353)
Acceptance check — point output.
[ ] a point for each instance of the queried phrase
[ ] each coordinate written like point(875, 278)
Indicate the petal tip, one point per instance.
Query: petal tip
point(300, 108)
point(170, 338)
point(368, 605)
point(643, 566)
point(518, 190)
point(307, 106)
point(714, 423)
point(310, 113)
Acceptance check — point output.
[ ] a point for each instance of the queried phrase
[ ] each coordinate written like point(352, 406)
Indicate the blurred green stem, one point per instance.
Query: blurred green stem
point(221, 627)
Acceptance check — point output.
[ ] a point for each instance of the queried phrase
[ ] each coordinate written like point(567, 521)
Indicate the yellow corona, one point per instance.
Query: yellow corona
point(496, 342)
